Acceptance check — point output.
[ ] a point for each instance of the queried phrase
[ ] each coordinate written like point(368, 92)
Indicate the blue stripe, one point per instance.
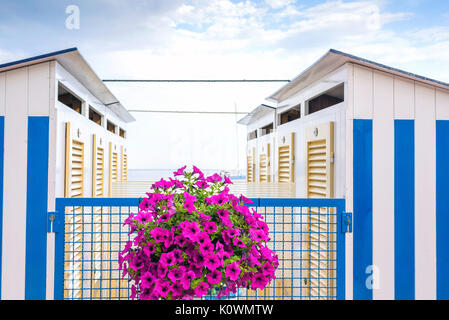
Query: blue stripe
point(404, 209)
point(363, 206)
point(442, 208)
point(2, 153)
point(36, 219)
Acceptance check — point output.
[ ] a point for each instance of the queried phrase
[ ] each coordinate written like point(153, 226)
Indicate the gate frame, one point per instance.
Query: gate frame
point(57, 225)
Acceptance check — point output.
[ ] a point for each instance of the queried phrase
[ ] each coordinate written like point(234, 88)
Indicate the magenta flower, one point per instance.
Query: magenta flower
point(198, 171)
point(214, 178)
point(173, 243)
point(191, 230)
point(212, 262)
point(201, 184)
point(186, 279)
point(227, 180)
point(238, 243)
point(204, 217)
point(214, 277)
point(206, 248)
point(167, 259)
point(201, 289)
point(233, 271)
point(176, 274)
point(202, 238)
point(180, 171)
point(210, 227)
point(149, 249)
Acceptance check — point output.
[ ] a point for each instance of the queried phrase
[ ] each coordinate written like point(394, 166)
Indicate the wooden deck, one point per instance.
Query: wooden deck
point(130, 189)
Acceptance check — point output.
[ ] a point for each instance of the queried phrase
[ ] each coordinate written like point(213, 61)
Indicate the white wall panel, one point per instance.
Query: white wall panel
point(442, 105)
point(15, 185)
point(2, 93)
point(363, 93)
point(425, 188)
point(383, 185)
point(39, 89)
point(404, 98)
point(348, 159)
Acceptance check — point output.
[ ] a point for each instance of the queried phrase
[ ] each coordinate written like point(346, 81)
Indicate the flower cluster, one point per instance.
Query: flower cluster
point(192, 237)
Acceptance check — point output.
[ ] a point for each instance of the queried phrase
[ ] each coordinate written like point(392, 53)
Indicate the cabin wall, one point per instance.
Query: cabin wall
point(397, 144)
point(25, 103)
point(87, 129)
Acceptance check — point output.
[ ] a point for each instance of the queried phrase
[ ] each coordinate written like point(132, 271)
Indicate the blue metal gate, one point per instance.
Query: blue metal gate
point(307, 234)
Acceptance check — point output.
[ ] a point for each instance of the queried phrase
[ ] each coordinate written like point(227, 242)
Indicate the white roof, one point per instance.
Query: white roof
point(331, 61)
point(74, 63)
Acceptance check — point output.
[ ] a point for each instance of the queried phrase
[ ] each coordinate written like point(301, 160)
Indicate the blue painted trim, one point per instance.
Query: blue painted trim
point(43, 56)
point(36, 212)
point(404, 209)
point(442, 208)
point(2, 154)
point(59, 251)
point(341, 252)
point(363, 206)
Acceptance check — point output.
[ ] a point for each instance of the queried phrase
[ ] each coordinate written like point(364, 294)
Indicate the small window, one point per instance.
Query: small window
point(327, 99)
point(94, 116)
point(122, 133)
point(266, 130)
point(252, 135)
point(290, 115)
point(110, 126)
point(69, 99)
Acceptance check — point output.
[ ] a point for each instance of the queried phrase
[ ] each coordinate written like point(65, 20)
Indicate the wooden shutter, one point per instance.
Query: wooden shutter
point(74, 187)
point(123, 165)
point(113, 166)
point(286, 152)
point(264, 163)
point(97, 169)
point(320, 264)
point(251, 165)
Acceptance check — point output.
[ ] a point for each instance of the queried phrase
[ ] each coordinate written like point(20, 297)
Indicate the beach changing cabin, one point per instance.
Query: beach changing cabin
point(62, 134)
point(378, 137)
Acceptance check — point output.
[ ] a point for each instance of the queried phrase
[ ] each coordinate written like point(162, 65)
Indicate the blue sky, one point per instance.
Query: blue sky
point(193, 39)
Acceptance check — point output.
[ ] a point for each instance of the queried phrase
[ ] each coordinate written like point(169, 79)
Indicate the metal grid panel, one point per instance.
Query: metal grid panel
point(307, 240)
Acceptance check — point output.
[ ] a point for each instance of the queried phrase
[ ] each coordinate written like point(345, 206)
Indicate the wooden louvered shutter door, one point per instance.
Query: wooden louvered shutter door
point(250, 165)
point(97, 169)
point(286, 166)
point(124, 165)
point(74, 187)
point(264, 163)
point(113, 167)
point(320, 260)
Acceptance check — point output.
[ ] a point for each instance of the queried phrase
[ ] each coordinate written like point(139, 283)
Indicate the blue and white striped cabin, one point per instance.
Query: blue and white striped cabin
point(57, 119)
point(386, 153)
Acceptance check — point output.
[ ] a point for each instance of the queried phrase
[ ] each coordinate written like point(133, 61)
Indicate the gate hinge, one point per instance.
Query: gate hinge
point(53, 222)
point(346, 223)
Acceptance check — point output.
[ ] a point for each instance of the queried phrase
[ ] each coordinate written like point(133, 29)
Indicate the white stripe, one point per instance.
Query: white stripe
point(349, 97)
point(425, 185)
point(15, 185)
point(363, 93)
point(383, 186)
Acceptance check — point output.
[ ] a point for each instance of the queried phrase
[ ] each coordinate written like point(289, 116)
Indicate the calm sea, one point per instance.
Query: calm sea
point(157, 174)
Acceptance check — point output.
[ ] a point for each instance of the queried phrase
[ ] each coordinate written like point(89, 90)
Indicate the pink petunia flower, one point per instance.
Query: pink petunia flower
point(210, 227)
point(180, 171)
point(186, 279)
point(191, 230)
point(214, 277)
point(201, 289)
point(233, 271)
point(212, 262)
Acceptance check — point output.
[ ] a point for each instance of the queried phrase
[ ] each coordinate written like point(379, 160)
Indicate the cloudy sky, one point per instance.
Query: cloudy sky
point(220, 39)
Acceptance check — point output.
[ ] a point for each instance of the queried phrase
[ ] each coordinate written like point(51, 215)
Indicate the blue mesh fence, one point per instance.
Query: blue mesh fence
point(306, 234)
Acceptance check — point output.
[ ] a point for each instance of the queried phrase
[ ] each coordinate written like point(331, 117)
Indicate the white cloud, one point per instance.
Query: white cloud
point(276, 4)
